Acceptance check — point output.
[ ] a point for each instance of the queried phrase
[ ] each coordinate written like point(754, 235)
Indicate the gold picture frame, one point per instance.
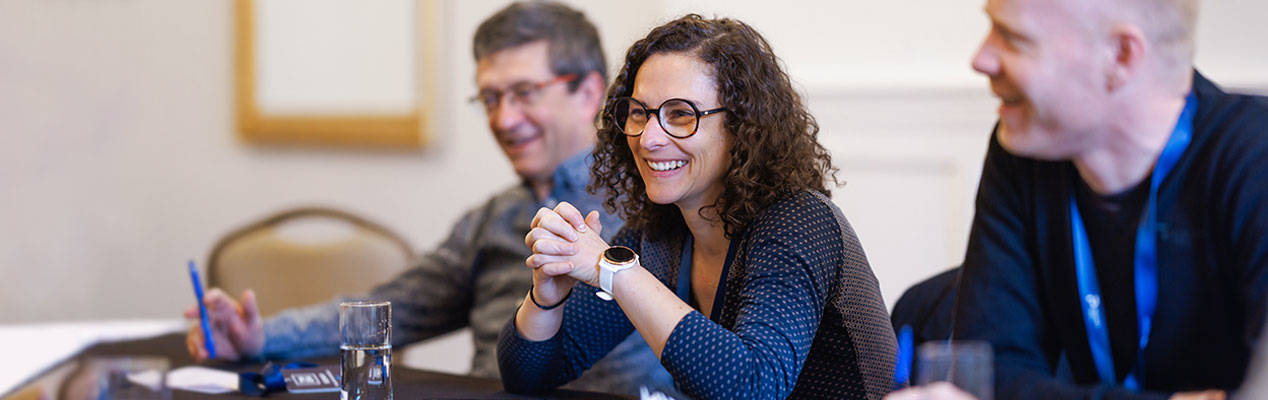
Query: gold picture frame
point(406, 130)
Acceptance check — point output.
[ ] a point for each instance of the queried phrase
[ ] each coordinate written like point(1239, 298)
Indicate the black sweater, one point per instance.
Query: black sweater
point(1019, 290)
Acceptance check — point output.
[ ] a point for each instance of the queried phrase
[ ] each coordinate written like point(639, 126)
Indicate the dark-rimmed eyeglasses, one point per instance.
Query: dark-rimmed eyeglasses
point(678, 117)
point(522, 93)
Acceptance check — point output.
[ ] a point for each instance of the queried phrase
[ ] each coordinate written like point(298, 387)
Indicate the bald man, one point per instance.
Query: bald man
point(1121, 218)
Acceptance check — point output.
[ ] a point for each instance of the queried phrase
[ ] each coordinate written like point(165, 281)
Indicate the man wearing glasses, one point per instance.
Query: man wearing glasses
point(541, 76)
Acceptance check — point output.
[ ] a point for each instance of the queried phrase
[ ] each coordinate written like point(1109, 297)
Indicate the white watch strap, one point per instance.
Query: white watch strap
point(606, 272)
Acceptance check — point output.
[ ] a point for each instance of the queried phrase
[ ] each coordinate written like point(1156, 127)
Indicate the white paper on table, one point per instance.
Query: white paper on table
point(43, 345)
point(152, 379)
point(645, 394)
point(202, 379)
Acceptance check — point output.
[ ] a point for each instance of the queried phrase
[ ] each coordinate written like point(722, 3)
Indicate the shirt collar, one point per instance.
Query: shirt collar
point(570, 179)
point(573, 174)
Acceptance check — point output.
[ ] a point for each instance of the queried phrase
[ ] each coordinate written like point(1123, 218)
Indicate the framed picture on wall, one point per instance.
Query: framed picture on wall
point(336, 73)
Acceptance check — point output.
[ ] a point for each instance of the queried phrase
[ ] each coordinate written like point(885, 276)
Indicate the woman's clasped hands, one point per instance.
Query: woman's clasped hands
point(566, 248)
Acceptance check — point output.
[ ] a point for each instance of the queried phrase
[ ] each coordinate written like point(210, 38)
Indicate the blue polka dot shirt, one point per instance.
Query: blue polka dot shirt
point(801, 316)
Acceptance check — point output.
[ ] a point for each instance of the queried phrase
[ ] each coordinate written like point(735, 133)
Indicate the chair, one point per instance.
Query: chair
point(304, 256)
point(30, 392)
point(928, 307)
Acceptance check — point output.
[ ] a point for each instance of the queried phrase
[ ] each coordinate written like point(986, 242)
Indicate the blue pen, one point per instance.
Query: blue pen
point(202, 311)
point(902, 370)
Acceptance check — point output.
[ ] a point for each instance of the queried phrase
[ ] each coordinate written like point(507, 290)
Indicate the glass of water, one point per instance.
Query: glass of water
point(966, 364)
point(365, 350)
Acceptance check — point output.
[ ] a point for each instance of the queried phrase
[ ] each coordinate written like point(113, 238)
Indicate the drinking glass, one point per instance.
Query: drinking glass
point(365, 350)
point(966, 364)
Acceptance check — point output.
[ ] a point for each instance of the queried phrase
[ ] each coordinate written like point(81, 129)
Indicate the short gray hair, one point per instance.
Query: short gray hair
point(1169, 24)
point(573, 41)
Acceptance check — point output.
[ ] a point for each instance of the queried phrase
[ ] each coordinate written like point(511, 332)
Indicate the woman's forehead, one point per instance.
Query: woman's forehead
point(664, 76)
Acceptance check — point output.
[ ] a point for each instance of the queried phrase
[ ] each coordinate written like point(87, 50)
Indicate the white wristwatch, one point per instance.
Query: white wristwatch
point(615, 259)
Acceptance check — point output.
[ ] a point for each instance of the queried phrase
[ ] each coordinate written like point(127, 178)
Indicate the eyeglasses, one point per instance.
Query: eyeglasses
point(522, 93)
point(678, 117)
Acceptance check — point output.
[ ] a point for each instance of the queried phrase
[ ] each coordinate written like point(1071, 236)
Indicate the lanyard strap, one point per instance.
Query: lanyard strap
point(1146, 262)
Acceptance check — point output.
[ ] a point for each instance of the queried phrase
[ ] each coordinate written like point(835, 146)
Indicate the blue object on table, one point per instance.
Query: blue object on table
point(268, 380)
point(202, 311)
point(902, 369)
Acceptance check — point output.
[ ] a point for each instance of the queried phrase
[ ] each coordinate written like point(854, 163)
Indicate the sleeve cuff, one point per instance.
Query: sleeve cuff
point(519, 350)
point(526, 365)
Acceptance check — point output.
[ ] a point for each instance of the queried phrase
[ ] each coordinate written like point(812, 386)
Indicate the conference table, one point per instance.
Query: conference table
point(407, 383)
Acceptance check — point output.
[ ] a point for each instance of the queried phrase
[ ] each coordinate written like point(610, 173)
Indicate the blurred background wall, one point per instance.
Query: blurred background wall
point(119, 160)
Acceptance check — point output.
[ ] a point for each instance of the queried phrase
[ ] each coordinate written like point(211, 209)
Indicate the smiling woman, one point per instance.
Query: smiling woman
point(677, 165)
point(765, 113)
point(735, 267)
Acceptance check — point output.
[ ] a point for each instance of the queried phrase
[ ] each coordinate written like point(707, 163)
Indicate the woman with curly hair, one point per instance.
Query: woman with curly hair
point(742, 276)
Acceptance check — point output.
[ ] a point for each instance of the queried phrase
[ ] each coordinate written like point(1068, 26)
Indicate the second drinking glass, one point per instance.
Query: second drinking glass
point(365, 350)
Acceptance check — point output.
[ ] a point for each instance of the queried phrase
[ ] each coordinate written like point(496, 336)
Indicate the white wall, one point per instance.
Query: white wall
point(118, 160)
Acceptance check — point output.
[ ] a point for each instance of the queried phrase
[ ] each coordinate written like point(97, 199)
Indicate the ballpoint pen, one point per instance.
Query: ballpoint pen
point(202, 311)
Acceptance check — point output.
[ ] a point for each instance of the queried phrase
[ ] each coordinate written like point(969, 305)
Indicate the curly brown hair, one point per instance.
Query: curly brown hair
point(775, 149)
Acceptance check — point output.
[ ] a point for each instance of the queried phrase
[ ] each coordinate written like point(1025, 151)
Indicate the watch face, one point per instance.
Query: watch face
point(619, 254)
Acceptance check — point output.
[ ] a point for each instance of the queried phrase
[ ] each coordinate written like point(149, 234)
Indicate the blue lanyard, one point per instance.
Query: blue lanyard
point(1146, 260)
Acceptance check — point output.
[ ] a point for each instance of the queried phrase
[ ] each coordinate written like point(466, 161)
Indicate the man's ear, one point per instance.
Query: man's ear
point(1128, 50)
point(590, 91)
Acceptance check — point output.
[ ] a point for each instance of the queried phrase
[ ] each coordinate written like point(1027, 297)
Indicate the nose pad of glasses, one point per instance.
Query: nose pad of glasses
point(654, 124)
point(654, 135)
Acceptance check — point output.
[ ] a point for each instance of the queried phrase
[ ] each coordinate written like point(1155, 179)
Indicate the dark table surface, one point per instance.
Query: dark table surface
point(407, 383)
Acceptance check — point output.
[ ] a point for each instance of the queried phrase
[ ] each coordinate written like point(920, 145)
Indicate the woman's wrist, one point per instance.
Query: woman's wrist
point(613, 262)
point(623, 281)
point(536, 324)
point(593, 280)
point(533, 298)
